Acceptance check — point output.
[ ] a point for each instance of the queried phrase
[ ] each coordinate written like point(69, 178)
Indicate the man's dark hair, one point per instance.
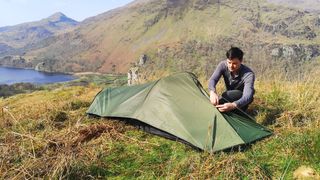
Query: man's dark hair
point(234, 52)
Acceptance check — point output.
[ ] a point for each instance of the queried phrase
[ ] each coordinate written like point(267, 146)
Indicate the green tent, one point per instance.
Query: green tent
point(178, 106)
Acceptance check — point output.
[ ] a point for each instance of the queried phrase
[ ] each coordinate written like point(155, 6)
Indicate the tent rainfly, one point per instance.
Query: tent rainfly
point(178, 106)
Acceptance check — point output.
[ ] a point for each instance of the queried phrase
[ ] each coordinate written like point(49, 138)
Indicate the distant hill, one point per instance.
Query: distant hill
point(180, 35)
point(16, 39)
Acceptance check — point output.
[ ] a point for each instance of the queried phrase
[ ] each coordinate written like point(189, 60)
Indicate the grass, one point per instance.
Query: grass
point(46, 134)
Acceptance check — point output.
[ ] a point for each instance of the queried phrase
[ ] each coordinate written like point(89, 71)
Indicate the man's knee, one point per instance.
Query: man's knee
point(231, 95)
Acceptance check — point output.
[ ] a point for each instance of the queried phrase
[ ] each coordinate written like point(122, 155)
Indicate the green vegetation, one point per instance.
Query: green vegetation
point(18, 88)
point(46, 134)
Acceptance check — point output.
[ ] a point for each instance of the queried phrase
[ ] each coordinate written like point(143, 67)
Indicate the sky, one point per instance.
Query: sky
point(14, 12)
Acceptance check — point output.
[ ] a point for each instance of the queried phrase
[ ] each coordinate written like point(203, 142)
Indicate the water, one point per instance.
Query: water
point(16, 75)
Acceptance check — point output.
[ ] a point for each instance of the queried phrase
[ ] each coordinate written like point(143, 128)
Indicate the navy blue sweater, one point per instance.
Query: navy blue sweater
point(244, 82)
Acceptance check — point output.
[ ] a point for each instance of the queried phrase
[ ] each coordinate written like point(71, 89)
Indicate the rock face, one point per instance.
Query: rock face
point(295, 52)
point(134, 76)
point(40, 66)
point(292, 26)
point(142, 60)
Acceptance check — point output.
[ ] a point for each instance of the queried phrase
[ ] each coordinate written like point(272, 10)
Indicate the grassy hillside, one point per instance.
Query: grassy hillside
point(115, 39)
point(46, 134)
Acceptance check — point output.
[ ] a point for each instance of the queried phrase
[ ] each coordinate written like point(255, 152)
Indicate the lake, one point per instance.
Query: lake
point(17, 75)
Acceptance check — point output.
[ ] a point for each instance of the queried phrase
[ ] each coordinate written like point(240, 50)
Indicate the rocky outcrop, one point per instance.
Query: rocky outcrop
point(291, 24)
point(134, 75)
point(40, 67)
point(284, 29)
point(295, 53)
point(142, 59)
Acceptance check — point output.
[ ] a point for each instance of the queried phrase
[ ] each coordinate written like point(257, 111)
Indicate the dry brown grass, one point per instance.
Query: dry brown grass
point(46, 134)
point(36, 142)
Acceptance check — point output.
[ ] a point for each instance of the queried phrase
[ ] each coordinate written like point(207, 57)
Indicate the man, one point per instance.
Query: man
point(239, 82)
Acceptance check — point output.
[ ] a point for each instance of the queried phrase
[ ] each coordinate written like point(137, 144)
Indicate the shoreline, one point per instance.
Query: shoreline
point(26, 68)
point(57, 72)
point(77, 74)
point(85, 73)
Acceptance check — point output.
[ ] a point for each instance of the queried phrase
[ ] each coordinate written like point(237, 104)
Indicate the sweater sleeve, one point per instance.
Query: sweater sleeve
point(216, 76)
point(248, 91)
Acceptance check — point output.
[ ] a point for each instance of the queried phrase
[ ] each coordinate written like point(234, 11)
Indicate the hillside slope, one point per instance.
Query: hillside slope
point(187, 32)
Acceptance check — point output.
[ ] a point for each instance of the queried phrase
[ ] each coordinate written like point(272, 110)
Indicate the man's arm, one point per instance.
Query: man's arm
point(214, 98)
point(247, 95)
point(248, 91)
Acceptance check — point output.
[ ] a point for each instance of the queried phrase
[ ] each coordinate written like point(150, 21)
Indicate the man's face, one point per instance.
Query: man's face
point(233, 64)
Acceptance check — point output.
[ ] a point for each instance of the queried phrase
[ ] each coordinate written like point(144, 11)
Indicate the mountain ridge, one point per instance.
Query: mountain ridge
point(21, 35)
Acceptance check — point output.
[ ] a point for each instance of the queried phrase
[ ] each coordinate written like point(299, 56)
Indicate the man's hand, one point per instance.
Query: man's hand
point(214, 98)
point(226, 107)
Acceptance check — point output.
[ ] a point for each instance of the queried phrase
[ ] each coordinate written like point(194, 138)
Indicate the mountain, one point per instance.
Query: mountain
point(19, 38)
point(181, 35)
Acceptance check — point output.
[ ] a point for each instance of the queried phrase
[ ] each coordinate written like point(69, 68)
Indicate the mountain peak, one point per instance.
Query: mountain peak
point(59, 17)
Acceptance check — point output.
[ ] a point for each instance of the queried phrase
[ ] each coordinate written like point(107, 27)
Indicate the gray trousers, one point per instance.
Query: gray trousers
point(231, 96)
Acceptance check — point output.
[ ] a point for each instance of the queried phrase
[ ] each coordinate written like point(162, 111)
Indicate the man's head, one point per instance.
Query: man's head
point(234, 59)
